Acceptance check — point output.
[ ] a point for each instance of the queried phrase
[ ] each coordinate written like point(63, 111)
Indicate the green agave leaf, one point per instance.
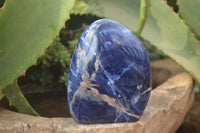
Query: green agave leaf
point(80, 7)
point(17, 99)
point(27, 27)
point(144, 13)
point(163, 29)
point(190, 12)
point(166, 31)
point(125, 11)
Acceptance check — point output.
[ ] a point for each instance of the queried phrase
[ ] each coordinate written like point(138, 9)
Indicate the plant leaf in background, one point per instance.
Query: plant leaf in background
point(17, 99)
point(27, 28)
point(144, 13)
point(190, 12)
point(79, 8)
point(126, 12)
point(164, 29)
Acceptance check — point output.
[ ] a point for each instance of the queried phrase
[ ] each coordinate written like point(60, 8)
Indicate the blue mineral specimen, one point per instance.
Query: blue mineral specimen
point(110, 77)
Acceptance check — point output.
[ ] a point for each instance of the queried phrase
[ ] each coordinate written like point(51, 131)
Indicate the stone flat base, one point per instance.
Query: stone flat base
point(164, 113)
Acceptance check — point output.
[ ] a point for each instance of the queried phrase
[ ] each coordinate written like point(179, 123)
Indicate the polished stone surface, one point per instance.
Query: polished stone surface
point(110, 77)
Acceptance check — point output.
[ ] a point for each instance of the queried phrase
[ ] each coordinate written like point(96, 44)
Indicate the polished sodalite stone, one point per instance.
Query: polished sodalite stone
point(110, 77)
